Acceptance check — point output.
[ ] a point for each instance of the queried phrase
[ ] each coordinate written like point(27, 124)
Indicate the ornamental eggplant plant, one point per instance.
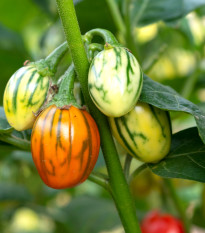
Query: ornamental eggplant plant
point(65, 141)
point(121, 102)
point(28, 88)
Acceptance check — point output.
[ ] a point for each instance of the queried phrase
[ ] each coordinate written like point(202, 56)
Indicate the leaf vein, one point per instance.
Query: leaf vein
point(195, 162)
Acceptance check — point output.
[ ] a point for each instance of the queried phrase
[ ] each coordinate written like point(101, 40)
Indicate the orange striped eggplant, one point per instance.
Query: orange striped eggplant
point(65, 144)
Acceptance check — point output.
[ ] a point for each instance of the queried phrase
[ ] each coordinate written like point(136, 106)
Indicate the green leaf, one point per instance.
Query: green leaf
point(91, 215)
point(12, 153)
point(12, 55)
point(17, 14)
point(198, 218)
point(166, 98)
point(149, 11)
point(13, 192)
point(93, 14)
point(4, 125)
point(47, 6)
point(6, 150)
point(186, 158)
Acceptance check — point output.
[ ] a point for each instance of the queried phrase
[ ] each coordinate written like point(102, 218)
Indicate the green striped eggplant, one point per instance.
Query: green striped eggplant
point(115, 81)
point(144, 132)
point(25, 93)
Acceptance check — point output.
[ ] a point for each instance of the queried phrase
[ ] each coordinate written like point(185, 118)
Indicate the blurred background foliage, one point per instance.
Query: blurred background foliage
point(170, 38)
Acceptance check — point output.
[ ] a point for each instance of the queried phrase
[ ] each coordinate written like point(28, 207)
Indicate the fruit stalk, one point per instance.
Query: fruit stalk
point(18, 142)
point(54, 58)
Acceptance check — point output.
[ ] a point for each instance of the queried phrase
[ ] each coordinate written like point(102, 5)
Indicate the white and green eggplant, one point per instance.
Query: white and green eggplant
point(25, 93)
point(144, 132)
point(28, 88)
point(115, 81)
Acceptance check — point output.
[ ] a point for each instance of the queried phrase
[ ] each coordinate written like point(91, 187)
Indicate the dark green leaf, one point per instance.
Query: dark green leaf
point(93, 14)
point(17, 14)
point(13, 192)
point(85, 214)
point(47, 6)
point(199, 217)
point(201, 11)
point(24, 156)
point(13, 55)
point(9, 152)
point(6, 150)
point(166, 98)
point(4, 125)
point(186, 159)
point(151, 11)
point(91, 215)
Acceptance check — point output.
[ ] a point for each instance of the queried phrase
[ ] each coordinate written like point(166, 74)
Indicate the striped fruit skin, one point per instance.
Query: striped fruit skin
point(25, 93)
point(115, 81)
point(145, 132)
point(65, 145)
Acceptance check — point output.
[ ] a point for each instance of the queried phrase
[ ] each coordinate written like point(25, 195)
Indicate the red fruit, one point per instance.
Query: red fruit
point(155, 222)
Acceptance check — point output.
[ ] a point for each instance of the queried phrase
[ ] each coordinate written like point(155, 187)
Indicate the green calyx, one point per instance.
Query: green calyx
point(43, 68)
point(108, 46)
point(65, 97)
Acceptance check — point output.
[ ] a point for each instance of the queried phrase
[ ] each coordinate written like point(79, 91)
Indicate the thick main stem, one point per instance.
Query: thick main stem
point(120, 190)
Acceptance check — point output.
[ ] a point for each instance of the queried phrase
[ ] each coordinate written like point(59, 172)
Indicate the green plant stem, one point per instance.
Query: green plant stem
point(127, 17)
point(130, 40)
point(164, 197)
point(100, 179)
point(178, 204)
point(116, 15)
point(140, 13)
point(138, 170)
point(128, 161)
point(119, 188)
point(18, 142)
